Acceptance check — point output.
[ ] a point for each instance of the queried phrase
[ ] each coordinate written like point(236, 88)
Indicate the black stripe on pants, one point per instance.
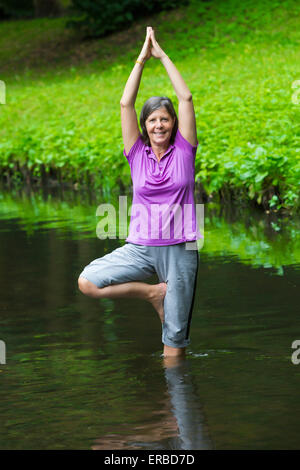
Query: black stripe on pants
point(193, 299)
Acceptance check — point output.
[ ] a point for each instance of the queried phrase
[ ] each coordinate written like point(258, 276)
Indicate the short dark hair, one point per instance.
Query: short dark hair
point(151, 105)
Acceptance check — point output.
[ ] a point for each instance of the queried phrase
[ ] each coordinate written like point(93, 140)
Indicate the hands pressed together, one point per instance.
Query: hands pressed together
point(151, 48)
point(186, 113)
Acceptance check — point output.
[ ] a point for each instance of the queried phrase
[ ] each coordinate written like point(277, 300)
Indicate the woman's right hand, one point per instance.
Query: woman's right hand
point(156, 50)
point(145, 53)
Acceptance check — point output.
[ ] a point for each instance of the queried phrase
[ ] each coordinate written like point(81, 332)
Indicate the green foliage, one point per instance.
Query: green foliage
point(17, 8)
point(96, 18)
point(31, 8)
point(240, 66)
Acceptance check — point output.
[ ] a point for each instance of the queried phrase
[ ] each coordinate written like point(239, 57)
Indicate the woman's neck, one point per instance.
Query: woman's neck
point(159, 150)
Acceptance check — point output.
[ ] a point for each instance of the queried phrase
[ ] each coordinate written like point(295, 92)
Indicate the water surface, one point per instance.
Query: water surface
point(82, 373)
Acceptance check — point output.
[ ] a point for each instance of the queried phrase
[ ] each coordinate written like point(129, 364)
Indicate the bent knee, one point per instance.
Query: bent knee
point(85, 286)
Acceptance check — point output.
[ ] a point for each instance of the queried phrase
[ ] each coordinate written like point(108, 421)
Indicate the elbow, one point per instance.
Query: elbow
point(125, 104)
point(186, 97)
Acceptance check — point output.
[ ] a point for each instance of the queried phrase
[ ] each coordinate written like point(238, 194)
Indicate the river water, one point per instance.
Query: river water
point(80, 373)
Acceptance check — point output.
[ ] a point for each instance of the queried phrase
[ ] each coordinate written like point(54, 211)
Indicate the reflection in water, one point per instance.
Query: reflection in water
point(192, 431)
point(79, 362)
point(181, 424)
point(254, 237)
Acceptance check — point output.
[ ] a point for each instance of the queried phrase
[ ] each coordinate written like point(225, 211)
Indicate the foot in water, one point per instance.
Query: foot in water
point(157, 298)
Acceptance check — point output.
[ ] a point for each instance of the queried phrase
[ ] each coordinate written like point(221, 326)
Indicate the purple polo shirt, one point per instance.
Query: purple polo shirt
point(163, 209)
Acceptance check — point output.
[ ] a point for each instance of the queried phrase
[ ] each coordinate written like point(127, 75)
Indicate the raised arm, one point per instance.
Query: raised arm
point(130, 128)
point(186, 112)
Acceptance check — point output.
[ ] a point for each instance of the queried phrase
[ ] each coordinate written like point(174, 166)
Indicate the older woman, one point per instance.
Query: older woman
point(163, 225)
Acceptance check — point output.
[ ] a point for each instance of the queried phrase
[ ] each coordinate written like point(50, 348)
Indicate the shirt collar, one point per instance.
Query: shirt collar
point(151, 154)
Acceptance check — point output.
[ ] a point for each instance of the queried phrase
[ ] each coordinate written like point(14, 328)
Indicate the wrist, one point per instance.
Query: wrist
point(164, 57)
point(140, 62)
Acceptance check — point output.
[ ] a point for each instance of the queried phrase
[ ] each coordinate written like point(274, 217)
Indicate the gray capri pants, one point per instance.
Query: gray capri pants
point(173, 264)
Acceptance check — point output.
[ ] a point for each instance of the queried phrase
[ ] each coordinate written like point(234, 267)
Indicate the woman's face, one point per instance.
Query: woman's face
point(159, 126)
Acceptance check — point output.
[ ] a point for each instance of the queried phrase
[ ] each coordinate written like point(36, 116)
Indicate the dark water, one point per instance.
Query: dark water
point(87, 374)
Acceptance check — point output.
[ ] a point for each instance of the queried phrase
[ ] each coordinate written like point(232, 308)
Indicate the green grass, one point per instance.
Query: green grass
point(239, 60)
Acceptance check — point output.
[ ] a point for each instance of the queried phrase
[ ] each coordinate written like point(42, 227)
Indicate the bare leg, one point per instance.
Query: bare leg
point(152, 293)
point(173, 352)
point(173, 361)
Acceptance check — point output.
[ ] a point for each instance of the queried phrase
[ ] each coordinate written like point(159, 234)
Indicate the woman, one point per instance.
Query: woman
point(162, 169)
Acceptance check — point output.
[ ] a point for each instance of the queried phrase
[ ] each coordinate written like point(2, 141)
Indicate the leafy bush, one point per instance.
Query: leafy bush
point(17, 8)
point(23, 9)
point(240, 69)
point(96, 18)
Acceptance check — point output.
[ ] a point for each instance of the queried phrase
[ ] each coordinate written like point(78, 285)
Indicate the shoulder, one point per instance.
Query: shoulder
point(137, 148)
point(181, 143)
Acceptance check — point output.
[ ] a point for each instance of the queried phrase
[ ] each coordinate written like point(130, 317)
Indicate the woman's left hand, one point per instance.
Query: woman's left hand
point(156, 50)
